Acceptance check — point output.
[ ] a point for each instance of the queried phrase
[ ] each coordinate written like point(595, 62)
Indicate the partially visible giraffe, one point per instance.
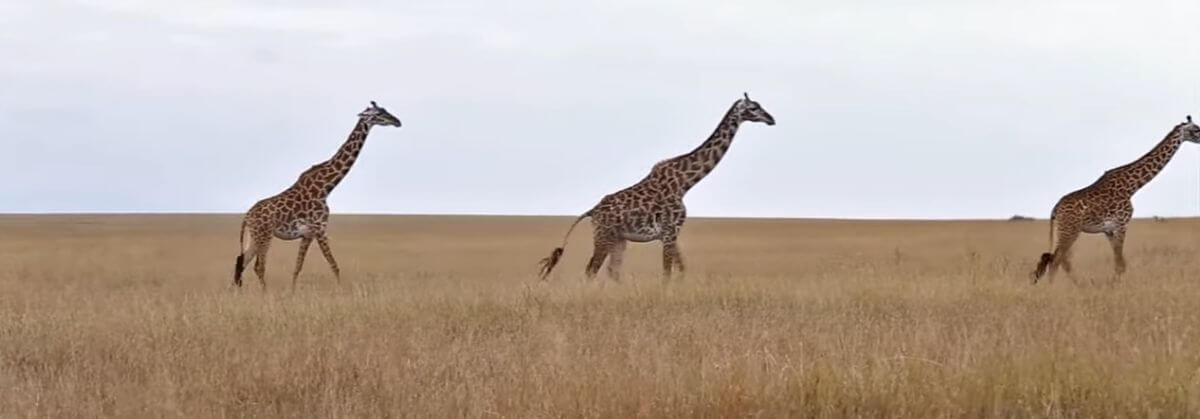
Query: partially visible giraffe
point(1105, 207)
point(653, 209)
point(300, 211)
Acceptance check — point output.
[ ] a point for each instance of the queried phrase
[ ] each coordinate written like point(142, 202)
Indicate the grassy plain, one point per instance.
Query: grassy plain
point(133, 316)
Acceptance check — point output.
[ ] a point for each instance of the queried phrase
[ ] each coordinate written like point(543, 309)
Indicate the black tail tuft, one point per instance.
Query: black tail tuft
point(1042, 265)
point(549, 262)
point(238, 267)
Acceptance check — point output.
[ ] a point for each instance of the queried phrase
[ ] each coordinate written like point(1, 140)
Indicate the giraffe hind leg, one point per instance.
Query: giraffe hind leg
point(597, 260)
point(601, 247)
point(239, 266)
point(262, 245)
point(616, 257)
point(250, 254)
point(1062, 253)
point(1049, 263)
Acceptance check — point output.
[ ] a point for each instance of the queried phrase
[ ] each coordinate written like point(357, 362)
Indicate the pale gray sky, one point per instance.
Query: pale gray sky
point(915, 109)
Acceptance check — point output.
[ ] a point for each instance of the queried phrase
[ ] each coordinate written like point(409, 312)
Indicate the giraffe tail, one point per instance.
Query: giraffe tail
point(240, 264)
point(548, 263)
point(1043, 263)
point(1047, 258)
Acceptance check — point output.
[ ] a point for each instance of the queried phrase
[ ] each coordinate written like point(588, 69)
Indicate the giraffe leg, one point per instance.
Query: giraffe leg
point(323, 242)
point(671, 251)
point(602, 245)
point(260, 262)
point(304, 243)
point(245, 258)
point(1117, 240)
point(252, 250)
point(671, 257)
point(1062, 252)
point(615, 258)
point(678, 256)
point(599, 253)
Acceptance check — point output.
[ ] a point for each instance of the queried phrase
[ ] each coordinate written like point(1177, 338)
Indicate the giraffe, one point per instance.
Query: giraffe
point(300, 211)
point(653, 209)
point(1105, 207)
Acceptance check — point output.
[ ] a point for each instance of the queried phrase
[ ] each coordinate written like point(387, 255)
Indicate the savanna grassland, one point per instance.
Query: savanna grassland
point(134, 316)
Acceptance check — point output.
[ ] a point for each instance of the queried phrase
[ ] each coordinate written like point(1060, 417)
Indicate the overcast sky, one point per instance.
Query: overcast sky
point(914, 109)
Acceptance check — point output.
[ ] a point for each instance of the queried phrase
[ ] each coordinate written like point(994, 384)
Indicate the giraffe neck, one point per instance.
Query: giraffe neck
point(700, 162)
point(325, 176)
point(1141, 171)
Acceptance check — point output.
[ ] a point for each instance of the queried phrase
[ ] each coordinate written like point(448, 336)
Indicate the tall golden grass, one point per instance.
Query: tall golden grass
point(134, 316)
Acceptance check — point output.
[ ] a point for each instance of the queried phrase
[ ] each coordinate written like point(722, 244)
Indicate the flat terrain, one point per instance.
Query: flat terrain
point(134, 316)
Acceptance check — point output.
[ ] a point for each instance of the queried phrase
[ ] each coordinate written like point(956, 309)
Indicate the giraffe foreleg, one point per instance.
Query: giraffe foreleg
point(671, 243)
point(323, 242)
point(678, 256)
point(1117, 240)
point(304, 243)
point(671, 258)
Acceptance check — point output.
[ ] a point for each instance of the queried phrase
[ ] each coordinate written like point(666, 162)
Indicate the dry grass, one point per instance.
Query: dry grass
point(441, 316)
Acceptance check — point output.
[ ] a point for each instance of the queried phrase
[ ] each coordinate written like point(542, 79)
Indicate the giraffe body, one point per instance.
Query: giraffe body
point(1106, 205)
point(653, 209)
point(300, 211)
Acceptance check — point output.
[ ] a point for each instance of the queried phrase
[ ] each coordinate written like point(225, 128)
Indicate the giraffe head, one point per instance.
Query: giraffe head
point(1189, 130)
point(376, 115)
point(749, 110)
